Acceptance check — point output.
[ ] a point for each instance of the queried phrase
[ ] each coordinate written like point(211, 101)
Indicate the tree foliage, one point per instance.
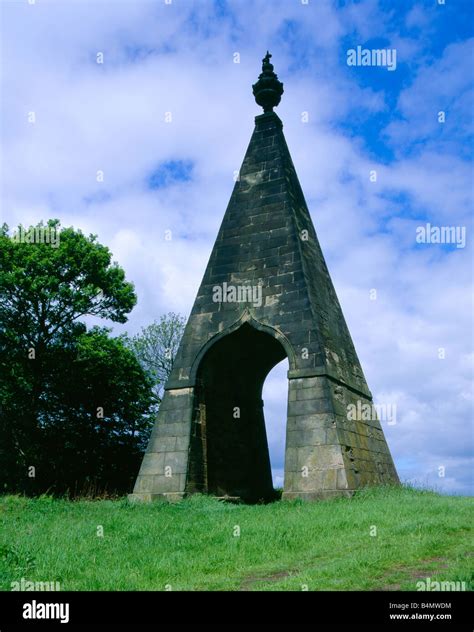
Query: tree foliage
point(75, 405)
point(155, 348)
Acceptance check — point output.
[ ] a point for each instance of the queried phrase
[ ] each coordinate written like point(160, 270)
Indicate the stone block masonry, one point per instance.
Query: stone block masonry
point(210, 435)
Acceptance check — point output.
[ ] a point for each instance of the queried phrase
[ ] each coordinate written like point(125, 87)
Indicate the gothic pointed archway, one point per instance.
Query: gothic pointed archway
point(228, 444)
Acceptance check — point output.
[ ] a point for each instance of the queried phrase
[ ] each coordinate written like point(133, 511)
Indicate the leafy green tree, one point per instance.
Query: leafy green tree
point(156, 347)
point(99, 415)
point(74, 404)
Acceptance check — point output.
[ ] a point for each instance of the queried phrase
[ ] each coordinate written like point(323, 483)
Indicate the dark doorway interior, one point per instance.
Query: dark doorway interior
point(229, 450)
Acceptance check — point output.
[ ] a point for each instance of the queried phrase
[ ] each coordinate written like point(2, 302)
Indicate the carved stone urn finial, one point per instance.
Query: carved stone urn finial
point(268, 90)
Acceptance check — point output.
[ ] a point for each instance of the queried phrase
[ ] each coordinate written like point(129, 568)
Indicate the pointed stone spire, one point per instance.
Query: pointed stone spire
point(268, 89)
point(266, 294)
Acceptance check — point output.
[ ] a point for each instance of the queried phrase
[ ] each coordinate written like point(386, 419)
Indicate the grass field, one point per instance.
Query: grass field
point(195, 545)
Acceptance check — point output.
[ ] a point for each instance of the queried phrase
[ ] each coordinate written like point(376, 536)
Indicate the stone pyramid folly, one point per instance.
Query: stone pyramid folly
point(266, 295)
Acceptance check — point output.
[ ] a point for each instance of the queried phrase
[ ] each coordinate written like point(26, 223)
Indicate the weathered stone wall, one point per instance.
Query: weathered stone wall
point(328, 454)
point(313, 463)
point(367, 458)
point(165, 463)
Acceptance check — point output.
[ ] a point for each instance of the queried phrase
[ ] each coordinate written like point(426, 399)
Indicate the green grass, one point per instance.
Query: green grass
point(282, 546)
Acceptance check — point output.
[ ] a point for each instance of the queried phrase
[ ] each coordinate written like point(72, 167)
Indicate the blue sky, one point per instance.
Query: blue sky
point(176, 173)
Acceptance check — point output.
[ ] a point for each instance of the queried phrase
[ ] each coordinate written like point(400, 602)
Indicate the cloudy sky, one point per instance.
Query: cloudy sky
point(196, 61)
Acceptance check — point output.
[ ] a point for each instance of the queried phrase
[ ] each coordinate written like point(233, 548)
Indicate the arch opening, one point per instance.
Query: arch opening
point(275, 396)
point(229, 454)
